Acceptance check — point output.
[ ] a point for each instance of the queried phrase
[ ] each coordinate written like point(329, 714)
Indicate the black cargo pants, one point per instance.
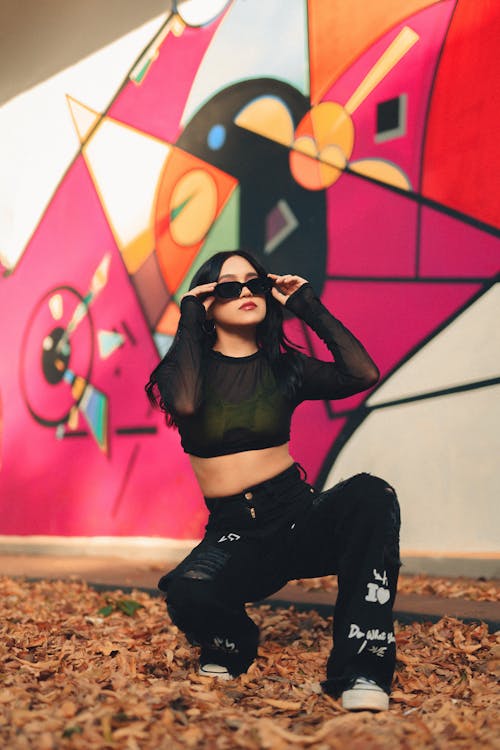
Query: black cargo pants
point(282, 529)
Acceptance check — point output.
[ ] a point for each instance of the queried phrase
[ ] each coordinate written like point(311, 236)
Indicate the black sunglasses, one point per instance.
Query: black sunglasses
point(233, 289)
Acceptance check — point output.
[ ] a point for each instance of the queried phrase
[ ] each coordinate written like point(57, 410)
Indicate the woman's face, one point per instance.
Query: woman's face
point(248, 309)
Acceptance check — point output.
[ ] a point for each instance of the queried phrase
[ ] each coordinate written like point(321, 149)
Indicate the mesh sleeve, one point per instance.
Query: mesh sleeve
point(352, 371)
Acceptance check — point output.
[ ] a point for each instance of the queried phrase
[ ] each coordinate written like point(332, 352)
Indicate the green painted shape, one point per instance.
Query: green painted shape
point(224, 235)
point(141, 74)
point(174, 213)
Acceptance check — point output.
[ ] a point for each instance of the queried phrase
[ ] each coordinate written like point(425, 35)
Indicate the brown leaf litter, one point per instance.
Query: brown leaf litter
point(72, 677)
point(479, 590)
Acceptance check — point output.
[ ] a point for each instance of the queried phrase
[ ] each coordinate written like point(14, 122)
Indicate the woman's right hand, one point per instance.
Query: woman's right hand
point(204, 293)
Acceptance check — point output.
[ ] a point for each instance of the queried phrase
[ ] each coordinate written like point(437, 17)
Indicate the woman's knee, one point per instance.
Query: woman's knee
point(373, 495)
point(366, 484)
point(188, 592)
point(187, 600)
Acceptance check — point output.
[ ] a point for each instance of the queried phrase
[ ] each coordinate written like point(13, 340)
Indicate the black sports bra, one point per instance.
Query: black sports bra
point(224, 405)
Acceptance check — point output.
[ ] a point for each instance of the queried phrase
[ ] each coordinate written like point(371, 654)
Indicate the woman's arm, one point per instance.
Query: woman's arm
point(353, 369)
point(176, 384)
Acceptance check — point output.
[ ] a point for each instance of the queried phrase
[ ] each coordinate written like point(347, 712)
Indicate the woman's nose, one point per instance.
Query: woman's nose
point(245, 292)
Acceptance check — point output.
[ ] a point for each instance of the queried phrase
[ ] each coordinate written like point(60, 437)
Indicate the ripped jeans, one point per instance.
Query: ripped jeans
point(282, 529)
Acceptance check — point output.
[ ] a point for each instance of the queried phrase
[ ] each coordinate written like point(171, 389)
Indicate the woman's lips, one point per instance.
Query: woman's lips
point(248, 306)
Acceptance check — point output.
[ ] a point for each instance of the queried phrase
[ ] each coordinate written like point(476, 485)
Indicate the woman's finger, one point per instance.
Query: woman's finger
point(204, 288)
point(287, 278)
point(282, 298)
point(201, 289)
point(207, 302)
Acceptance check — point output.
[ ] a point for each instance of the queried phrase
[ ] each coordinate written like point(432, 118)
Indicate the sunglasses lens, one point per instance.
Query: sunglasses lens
point(260, 285)
point(232, 289)
point(228, 289)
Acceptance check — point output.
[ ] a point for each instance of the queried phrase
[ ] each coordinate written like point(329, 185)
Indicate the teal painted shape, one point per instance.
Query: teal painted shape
point(174, 213)
point(109, 342)
point(94, 407)
point(163, 343)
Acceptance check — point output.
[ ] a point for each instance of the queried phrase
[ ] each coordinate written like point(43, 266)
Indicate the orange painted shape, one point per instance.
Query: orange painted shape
point(332, 126)
point(306, 170)
point(190, 198)
point(169, 320)
point(340, 31)
point(323, 143)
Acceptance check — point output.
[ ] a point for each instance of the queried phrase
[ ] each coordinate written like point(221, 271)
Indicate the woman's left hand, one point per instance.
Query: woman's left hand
point(285, 286)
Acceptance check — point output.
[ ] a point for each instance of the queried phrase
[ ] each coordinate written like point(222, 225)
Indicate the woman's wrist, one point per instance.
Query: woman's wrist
point(192, 309)
point(301, 299)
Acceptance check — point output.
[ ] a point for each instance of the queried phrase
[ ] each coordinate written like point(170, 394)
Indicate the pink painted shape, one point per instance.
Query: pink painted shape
point(156, 105)
point(371, 230)
point(451, 248)
point(50, 486)
point(313, 434)
point(392, 318)
point(413, 75)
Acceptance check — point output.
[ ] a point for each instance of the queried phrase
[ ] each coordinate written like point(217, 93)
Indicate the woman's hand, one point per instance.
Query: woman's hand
point(204, 293)
point(285, 286)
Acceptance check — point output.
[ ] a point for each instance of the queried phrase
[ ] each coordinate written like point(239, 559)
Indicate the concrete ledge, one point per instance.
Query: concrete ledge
point(468, 564)
point(126, 547)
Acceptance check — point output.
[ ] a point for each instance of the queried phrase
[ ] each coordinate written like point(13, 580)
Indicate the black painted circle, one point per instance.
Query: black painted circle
point(46, 391)
point(54, 360)
point(262, 169)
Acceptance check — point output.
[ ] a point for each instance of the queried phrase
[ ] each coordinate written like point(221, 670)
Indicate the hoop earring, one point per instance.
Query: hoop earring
point(208, 326)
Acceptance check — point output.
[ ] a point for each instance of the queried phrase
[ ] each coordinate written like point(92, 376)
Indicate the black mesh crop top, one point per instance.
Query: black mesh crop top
point(225, 405)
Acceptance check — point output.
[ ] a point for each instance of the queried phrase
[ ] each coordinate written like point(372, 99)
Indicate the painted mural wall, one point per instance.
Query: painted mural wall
point(354, 144)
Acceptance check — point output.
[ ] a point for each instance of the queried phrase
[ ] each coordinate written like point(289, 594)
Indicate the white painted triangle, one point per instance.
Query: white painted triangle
point(126, 165)
point(84, 118)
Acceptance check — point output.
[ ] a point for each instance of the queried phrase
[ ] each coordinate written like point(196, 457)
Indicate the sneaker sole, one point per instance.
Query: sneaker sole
point(365, 700)
point(218, 675)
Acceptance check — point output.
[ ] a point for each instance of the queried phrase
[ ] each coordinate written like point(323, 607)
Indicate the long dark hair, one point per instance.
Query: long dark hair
point(270, 336)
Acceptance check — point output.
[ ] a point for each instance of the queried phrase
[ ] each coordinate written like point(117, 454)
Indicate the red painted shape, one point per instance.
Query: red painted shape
point(462, 151)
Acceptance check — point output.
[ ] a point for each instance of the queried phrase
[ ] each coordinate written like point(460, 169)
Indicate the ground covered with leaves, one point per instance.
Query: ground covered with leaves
point(479, 590)
point(82, 669)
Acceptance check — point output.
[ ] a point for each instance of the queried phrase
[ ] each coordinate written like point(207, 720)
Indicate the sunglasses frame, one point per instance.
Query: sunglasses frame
point(262, 281)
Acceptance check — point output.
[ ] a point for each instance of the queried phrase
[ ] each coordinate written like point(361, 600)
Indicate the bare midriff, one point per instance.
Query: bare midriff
point(226, 475)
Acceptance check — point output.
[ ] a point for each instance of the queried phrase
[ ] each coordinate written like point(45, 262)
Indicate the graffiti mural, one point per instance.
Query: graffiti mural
point(350, 143)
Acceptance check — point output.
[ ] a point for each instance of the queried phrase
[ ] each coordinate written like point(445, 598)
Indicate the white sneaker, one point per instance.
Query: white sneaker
point(365, 695)
point(215, 670)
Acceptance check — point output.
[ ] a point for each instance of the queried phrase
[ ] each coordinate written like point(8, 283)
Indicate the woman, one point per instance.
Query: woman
point(230, 383)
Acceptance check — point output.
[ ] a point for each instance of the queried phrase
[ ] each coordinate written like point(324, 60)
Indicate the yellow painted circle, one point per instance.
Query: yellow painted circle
point(328, 130)
point(193, 207)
